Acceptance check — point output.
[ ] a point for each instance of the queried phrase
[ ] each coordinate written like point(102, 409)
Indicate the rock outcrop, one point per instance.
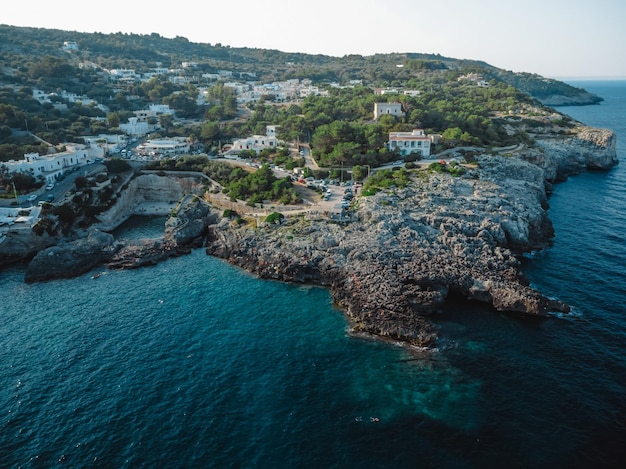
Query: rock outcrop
point(583, 98)
point(406, 251)
point(585, 149)
point(183, 230)
point(71, 258)
point(403, 253)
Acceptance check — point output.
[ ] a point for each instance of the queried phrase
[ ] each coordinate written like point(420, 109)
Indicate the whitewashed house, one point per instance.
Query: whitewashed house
point(135, 128)
point(50, 167)
point(256, 142)
point(410, 142)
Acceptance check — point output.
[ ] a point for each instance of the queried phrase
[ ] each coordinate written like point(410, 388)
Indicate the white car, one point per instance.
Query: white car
point(50, 186)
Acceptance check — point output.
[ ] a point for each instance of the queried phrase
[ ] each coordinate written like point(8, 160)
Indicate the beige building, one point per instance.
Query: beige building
point(393, 109)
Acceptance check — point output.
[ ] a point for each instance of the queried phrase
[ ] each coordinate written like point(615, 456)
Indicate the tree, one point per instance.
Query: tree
point(359, 172)
point(166, 121)
point(80, 182)
point(113, 119)
point(23, 181)
point(274, 218)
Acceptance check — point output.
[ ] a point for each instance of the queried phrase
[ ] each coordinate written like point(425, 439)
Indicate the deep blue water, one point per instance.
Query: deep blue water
point(193, 363)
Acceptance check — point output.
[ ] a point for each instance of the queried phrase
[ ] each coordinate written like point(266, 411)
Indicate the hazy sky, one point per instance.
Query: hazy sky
point(554, 38)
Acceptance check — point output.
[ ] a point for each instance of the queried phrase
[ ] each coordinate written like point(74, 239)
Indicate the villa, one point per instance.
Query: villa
point(410, 142)
point(256, 142)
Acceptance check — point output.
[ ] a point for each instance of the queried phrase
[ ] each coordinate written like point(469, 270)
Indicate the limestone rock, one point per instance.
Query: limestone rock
point(70, 259)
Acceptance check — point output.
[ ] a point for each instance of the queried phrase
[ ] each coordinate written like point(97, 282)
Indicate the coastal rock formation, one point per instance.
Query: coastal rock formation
point(581, 99)
point(406, 251)
point(183, 230)
point(562, 156)
point(586, 149)
point(71, 258)
point(17, 245)
point(401, 255)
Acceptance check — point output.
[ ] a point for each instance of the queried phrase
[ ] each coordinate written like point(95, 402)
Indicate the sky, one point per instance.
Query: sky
point(553, 38)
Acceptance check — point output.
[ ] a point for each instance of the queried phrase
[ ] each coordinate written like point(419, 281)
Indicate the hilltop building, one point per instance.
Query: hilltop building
point(393, 109)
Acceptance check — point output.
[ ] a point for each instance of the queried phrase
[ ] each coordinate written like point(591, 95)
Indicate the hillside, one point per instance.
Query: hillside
point(59, 87)
point(20, 46)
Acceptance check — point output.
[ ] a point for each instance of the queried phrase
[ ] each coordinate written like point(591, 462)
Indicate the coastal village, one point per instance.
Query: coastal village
point(135, 143)
point(426, 225)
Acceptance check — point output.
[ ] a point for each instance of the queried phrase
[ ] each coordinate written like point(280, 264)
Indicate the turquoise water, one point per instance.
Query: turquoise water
point(193, 363)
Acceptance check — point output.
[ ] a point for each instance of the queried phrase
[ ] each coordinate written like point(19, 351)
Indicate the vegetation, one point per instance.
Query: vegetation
point(452, 168)
point(338, 123)
point(259, 186)
point(239, 184)
point(274, 218)
point(386, 179)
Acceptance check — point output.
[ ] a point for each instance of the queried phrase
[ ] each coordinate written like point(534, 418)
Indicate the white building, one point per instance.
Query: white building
point(165, 147)
point(110, 143)
point(392, 109)
point(70, 45)
point(124, 75)
point(135, 127)
point(256, 142)
point(50, 167)
point(410, 142)
point(153, 111)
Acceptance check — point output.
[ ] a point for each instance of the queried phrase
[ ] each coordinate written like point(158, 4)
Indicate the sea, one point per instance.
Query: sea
point(194, 363)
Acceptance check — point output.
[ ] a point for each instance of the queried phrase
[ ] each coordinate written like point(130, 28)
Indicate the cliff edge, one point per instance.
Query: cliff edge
point(405, 252)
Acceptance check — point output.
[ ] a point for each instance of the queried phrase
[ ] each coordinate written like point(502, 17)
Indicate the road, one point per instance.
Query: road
point(60, 188)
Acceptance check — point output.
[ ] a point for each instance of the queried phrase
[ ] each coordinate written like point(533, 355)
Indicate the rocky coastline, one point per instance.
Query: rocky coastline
point(184, 230)
point(403, 252)
point(406, 252)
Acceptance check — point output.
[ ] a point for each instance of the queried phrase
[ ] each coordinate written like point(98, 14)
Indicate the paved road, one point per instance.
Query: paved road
point(59, 190)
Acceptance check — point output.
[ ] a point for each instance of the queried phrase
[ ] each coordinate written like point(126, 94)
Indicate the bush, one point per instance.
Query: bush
point(117, 165)
point(274, 218)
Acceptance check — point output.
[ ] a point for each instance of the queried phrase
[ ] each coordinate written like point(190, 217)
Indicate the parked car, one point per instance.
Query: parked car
point(50, 186)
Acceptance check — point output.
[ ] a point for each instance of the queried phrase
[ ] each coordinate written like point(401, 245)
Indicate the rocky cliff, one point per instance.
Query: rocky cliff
point(584, 98)
point(148, 194)
point(402, 254)
point(405, 252)
point(586, 148)
point(185, 229)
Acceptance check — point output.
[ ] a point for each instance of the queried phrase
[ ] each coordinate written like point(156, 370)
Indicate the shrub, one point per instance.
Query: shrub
point(274, 218)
